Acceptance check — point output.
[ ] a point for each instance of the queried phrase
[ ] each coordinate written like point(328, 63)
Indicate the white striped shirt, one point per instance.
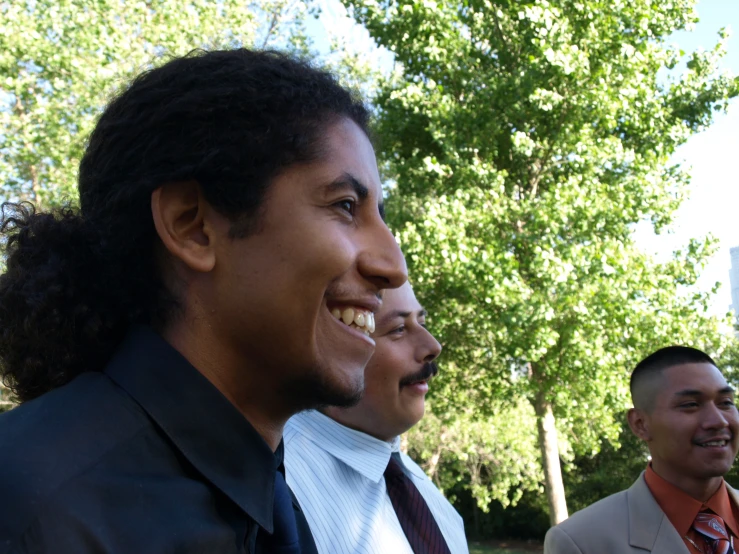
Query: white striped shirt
point(337, 474)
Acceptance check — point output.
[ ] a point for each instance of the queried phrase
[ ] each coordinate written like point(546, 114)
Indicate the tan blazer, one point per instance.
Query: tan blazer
point(628, 522)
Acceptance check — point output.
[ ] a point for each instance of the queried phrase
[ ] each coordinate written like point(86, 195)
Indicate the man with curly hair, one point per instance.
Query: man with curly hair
point(160, 336)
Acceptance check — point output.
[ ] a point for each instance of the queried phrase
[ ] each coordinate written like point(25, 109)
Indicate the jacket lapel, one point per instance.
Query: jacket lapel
point(649, 528)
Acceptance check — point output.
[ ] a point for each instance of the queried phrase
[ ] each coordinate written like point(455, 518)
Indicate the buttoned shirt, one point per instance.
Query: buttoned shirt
point(337, 474)
point(146, 456)
point(681, 508)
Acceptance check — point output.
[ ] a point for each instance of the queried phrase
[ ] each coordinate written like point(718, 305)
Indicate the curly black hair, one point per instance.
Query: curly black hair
point(77, 279)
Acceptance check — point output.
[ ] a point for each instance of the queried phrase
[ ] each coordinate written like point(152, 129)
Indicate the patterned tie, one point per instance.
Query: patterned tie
point(712, 528)
point(415, 518)
point(284, 539)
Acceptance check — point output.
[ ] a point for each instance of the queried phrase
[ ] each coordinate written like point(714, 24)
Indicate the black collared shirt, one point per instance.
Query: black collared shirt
point(144, 457)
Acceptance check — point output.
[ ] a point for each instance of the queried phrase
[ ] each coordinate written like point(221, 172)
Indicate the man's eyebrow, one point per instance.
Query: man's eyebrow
point(347, 181)
point(350, 182)
point(392, 315)
point(693, 392)
point(689, 392)
point(403, 314)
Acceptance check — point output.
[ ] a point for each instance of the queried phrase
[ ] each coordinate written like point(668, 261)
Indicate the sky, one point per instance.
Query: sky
point(713, 155)
point(713, 204)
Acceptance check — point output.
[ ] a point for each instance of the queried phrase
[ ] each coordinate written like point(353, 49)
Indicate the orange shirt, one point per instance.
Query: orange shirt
point(681, 508)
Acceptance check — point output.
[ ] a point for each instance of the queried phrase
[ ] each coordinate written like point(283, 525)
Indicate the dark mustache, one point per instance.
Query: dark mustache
point(427, 371)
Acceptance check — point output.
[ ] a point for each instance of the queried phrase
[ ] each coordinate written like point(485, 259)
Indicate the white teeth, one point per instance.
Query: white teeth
point(714, 443)
point(348, 316)
point(357, 319)
point(354, 326)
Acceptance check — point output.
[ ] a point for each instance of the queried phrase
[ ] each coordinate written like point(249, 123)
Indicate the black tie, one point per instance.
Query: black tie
point(415, 518)
point(284, 539)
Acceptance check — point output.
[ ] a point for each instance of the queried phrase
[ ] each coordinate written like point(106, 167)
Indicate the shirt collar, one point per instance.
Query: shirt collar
point(365, 454)
point(202, 423)
point(720, 504)
point(681, 508)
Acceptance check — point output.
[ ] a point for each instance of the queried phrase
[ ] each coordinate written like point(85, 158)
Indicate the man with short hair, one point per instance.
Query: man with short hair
point(684, 410)
point(360, 494)
point(160, 336)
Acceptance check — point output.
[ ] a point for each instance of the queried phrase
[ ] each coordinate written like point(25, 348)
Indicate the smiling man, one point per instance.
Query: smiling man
point(160, 336)
point(684, 410)
point(359, 493)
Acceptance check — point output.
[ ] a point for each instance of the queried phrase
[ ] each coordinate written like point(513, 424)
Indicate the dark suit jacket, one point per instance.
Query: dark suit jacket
point(144, 457)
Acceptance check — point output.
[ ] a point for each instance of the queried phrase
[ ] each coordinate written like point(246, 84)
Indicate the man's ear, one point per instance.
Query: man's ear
point(179, 211)
point(639, 424)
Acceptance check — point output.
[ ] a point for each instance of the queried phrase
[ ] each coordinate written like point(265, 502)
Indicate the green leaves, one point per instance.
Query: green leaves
point(60, 61)
point(492, 458)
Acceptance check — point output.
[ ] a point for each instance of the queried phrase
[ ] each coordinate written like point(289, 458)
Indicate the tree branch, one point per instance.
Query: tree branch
point(544, 161)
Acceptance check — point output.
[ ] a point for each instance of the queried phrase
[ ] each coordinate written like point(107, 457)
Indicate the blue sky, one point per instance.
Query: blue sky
point(713, 204)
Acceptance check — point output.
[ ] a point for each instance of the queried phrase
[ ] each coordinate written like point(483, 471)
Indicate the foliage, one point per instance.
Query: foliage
point(728, 360)
point(593, 477)
point(527, 521)
point(524, 141)
point(60, 61)
point(464, 449)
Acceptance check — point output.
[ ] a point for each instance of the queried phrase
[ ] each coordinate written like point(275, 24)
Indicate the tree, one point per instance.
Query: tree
point(61, 60)
point(523, 142)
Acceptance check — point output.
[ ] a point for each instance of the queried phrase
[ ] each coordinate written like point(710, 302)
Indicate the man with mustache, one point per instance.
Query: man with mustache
point(684, 410)
point(360, 494)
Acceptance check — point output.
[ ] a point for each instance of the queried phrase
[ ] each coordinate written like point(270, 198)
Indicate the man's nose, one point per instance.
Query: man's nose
point(381, 261)
point(715, 418)
point(430, 347)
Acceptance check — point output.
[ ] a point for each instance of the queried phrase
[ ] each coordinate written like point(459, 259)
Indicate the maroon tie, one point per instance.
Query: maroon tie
point(712, 528)
point(415, 518)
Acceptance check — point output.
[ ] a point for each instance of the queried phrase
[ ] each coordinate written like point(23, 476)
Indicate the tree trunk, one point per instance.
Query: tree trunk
point(548, 445)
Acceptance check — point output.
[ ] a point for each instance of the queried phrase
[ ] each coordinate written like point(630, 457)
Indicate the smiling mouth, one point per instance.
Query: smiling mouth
point(356, 318)
point(713, 444)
